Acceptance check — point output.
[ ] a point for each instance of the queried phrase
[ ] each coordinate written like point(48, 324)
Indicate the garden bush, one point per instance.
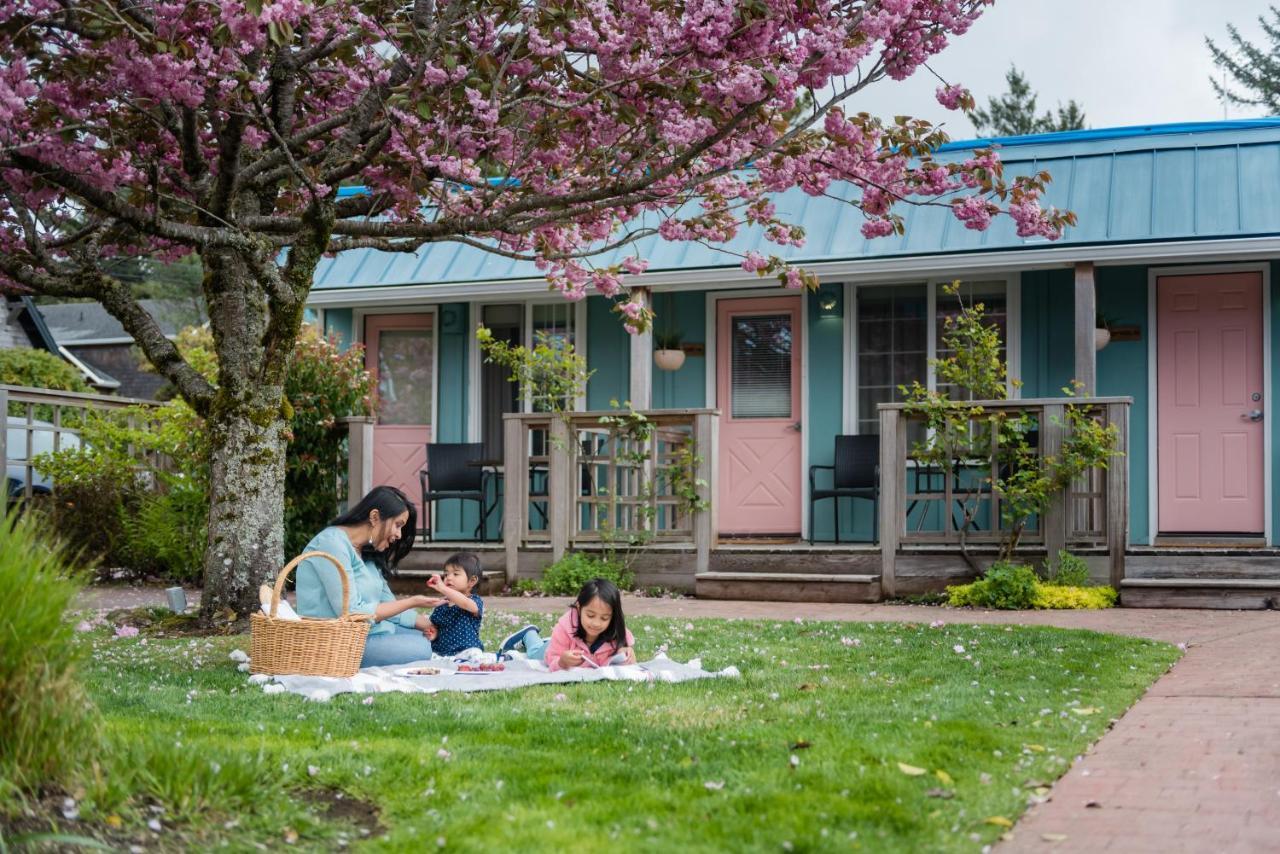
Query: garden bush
point(32, 368)
point(1005, 586)
point(1057, 597)
point(1071, 571)
point(566, 576)
point(1009, 587)
point(46, 720)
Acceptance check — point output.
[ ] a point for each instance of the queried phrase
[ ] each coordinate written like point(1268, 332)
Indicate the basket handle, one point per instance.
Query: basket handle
point(342, 576)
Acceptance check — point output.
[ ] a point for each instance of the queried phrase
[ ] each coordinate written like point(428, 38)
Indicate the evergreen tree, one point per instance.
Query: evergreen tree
point(1014, 113)
point(1256, 69)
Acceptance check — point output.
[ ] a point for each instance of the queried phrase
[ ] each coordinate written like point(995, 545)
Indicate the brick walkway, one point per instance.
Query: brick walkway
point(1194, 766)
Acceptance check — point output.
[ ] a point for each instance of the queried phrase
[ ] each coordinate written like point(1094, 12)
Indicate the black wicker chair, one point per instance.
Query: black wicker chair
point(854, 475)
point(452, 474)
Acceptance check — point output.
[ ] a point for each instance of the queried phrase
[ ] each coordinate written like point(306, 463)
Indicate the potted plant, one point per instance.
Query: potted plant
point(667, 354)
point(1101, 332)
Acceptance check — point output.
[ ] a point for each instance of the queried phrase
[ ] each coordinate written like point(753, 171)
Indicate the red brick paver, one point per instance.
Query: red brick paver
point(1194, 766)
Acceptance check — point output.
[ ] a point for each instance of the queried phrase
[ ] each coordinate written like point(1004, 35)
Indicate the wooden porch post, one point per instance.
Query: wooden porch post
point(641, 390)
point(892, 479)
point(515, 503)
point(359, 457)
point(1117, 478)
point(1086, 303)
point(705, 437)
point(1053, 432)
point(559, 494)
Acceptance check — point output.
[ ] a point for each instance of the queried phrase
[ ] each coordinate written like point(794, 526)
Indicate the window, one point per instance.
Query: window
point(760, 367)
point(892, 347)
point(896, 336)
point(498, 395)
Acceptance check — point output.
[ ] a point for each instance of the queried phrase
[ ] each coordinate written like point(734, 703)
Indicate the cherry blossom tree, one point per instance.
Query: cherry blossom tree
point(547, 130)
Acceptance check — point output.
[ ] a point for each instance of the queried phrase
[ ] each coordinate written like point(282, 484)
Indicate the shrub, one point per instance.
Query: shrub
point(1056, 597)
point(1071, 571)
point(38, 369)
point(44, 714)
point(135, 493)
point(566, 576)
point(1005, 587)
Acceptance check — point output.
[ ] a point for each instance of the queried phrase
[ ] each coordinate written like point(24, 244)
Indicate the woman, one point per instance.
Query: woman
point(367, 541)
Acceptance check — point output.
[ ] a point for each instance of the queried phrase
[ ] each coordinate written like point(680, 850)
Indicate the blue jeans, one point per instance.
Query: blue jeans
point(398, 646)
point(534, 646)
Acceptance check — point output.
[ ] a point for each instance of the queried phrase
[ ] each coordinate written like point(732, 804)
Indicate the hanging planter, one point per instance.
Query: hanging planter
point(667, 354)
point(1101, 333)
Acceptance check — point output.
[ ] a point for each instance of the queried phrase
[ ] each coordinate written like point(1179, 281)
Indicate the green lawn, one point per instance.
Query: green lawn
point(802, 753)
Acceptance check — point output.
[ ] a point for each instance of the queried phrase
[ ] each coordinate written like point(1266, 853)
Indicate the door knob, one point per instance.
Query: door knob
point(1252, 415)
point(797, 427)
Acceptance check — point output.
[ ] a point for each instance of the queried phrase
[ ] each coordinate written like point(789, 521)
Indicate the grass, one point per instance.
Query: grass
point(802, 753)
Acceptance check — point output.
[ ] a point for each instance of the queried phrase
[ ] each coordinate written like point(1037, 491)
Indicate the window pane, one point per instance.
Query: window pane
point(760, 369)
point(892, 331)
point(995, 313)
point(404, 376)
point(553, 322)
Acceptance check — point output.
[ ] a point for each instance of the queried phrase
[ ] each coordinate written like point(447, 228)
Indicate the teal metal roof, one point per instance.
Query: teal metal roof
point(1205, 181)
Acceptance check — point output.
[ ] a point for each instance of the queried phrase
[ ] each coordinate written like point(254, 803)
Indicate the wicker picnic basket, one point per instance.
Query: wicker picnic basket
point(310, 646)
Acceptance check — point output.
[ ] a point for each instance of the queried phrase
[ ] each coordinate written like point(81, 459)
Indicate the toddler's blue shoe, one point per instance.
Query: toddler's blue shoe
point(515, 639)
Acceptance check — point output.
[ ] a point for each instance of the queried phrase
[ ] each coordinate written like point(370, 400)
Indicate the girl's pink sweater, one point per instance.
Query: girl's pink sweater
point(563, 639)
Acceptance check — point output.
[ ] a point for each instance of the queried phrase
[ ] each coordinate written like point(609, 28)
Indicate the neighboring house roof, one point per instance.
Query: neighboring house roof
point(1135, 185)
point(84, 323)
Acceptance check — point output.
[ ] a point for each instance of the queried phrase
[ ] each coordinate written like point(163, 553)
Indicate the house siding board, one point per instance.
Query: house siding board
point(1123, 371)
point(338, 322)
point(454, 519)
point(1173, 197)
point(825, 420)
point(1260, 205)
point(608, 355)
point(1047, 332)
point(1133, 180)
point(1090, 197)
point(684, 312)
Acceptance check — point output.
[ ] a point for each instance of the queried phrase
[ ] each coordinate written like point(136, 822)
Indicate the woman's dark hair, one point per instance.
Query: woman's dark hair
point(607, 592)
point(390, 503)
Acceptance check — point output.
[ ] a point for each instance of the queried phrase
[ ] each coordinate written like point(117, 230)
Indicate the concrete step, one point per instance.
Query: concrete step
point(788, 586)
point(1234, 594)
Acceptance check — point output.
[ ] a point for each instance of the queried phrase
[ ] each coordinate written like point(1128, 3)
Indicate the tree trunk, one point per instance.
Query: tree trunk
point(248, 425)
point(246, 504)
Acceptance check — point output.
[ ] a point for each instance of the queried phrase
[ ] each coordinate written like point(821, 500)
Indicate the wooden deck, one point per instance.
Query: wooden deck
point(1213, 576)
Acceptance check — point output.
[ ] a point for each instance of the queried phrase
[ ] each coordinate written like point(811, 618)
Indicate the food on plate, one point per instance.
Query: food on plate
point(482, 668)
point(422, 671)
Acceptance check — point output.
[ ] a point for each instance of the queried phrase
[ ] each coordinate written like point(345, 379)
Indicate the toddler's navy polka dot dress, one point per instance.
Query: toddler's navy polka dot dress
point(458, 629)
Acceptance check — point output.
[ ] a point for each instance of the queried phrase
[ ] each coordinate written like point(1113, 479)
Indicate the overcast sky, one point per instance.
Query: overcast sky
point(1127, 62)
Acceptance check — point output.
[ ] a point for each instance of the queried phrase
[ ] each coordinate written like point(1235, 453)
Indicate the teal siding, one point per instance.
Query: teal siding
point(825, 418)
point(684, 312)
point(1048, 358)
point(454, 519)
point(608, 355)
point(1122, 371)
point(337, 321)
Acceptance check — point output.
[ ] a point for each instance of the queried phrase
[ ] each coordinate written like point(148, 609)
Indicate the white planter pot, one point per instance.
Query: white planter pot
point(668, 360)
point(1101, 338)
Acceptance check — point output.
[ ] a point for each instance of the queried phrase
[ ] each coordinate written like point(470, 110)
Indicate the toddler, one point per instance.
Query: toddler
point(455, 625)
point(592, 633)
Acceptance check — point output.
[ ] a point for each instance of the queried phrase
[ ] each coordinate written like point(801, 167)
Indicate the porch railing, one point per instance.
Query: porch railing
point(40, 420)
point(590, 478)
point(924, 505)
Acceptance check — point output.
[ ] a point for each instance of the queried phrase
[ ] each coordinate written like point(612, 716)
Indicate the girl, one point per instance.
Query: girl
point(591, 632)
point(367, 540)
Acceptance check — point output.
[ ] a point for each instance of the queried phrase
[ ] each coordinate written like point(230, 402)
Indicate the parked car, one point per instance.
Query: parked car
point(16, 449)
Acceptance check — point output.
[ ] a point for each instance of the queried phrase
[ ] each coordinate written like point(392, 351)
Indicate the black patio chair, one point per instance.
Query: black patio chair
point(855, 475)
point(451, 473)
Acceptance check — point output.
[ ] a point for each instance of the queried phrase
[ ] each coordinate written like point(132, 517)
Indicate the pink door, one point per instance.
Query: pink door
point(758, 391)
point(400, 352)
point(1209, 393)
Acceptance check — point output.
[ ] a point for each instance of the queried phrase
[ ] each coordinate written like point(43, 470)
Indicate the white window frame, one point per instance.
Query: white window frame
point(1013, 332)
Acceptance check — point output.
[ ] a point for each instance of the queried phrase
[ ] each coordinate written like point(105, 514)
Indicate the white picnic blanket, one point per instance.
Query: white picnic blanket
point(518, 674)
